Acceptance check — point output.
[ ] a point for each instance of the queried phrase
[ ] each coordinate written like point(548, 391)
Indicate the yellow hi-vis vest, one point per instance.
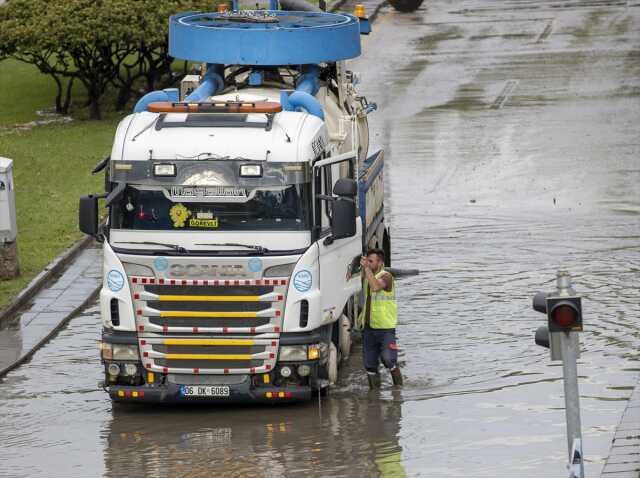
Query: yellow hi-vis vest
point(384, 308)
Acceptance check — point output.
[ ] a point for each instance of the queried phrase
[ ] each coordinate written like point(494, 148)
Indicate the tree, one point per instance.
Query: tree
point(99, 43)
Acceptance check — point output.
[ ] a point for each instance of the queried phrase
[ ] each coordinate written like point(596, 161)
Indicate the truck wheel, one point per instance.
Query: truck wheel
point(406, 5)
point(332, 364)
point(345, 336)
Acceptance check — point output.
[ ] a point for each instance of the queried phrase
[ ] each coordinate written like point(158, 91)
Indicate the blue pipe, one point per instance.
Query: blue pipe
point(169, 94)
point(308, 81)
point(301, 100)
point(303, 97)
point(212, 83)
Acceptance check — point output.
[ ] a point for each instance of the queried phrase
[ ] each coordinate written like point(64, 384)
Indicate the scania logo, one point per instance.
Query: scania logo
point(205, 270)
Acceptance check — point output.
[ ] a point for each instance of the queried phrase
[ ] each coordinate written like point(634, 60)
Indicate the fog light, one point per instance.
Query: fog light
point(304, 370)
point(130, 369)
point(285, 372)
point(113, 369)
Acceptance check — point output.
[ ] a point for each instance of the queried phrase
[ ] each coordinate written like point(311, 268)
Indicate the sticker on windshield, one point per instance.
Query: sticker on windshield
point(255, 265)
point(211, 223)
point(179, 215)
point(302, 281)
point(115, 280)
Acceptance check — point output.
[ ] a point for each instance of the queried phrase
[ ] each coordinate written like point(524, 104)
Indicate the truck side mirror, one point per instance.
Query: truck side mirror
point(345, 187)
point(343, 223)
point(88, 215)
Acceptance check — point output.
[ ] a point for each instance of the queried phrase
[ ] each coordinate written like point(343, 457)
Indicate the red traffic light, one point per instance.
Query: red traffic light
point(564, 315)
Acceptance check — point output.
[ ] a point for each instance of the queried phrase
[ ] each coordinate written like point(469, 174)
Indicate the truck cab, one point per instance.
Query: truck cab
point(238, 208)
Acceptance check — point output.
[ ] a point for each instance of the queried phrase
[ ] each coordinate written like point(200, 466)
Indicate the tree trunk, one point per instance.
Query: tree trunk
point(94, 104)
point(124, 95)
point(67, 98)
point(59, 107)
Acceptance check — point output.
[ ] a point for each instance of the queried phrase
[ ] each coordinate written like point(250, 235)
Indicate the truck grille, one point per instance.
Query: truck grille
point(208, 326)
point(232, 306)
point(208, 356)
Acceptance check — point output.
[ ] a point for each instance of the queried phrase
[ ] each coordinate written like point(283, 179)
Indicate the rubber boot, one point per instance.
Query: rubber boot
point(396, 376)
point(374, 380)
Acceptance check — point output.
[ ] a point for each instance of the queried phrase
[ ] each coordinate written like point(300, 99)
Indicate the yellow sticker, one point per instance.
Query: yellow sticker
point(203, 222)
point(179, 215)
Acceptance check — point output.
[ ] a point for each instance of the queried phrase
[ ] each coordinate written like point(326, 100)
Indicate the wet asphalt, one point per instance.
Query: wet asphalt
point(511, 138)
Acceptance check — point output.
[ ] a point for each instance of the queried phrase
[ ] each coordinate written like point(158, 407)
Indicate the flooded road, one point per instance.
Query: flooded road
point(511, 133)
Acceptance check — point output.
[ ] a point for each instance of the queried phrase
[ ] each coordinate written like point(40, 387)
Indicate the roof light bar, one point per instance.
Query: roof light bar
point(164, 169)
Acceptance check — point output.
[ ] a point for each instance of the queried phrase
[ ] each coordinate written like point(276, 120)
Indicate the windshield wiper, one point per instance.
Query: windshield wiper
point(149, 243)
point(259, 249)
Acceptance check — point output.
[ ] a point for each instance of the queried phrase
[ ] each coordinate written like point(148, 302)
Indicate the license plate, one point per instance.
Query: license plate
point(204, 390)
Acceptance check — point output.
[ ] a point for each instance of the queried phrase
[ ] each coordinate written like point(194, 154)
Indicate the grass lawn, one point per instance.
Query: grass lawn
point(24, 91)
point(52, 169)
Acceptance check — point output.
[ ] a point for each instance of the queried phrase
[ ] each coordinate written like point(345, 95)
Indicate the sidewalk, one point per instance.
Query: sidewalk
point(624, 457)
point(50, 309)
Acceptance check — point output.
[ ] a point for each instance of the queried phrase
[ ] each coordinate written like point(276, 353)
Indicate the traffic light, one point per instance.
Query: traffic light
point(564, 314)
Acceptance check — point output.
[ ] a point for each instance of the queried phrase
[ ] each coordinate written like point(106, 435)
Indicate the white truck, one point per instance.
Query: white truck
point(238, 209)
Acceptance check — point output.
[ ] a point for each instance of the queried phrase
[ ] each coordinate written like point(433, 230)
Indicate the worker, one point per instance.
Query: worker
point(378, 319)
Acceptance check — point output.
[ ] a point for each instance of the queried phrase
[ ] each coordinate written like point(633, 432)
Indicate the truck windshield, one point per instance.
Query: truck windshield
point(276, 209)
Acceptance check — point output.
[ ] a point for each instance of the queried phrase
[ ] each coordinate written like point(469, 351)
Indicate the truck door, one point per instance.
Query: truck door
point(337, 257)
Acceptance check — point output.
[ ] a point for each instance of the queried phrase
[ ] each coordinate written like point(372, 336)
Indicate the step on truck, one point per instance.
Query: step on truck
point(238, 208)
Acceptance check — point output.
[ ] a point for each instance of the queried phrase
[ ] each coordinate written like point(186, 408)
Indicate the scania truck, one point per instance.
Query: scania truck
point(238, 208)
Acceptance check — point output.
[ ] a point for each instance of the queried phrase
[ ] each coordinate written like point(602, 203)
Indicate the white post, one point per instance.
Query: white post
point(8, 229)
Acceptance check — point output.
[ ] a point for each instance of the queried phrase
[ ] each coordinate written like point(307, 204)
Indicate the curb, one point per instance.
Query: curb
point(377, 10)
point(28, 354)
point(38, 282)
point(336, 5)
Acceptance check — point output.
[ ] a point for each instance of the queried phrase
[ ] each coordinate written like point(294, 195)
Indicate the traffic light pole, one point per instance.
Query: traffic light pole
point(569, 344)
point(564, 311)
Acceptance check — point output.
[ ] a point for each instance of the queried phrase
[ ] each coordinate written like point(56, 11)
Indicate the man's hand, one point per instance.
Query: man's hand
point(364, 262)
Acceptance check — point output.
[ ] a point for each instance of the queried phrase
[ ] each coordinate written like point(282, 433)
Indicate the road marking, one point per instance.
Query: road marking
point(546, 32)
point(500, 100)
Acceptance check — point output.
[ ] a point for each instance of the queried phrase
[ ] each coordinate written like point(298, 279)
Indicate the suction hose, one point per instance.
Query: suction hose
point(298, 6)
point(212, 83)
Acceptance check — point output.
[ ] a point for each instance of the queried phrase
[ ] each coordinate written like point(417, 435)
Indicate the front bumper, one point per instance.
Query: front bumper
point(238, 393)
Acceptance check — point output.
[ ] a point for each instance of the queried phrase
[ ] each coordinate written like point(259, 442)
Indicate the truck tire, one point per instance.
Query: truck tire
point(386, 247)
point(332, 364)
point(345, 336)
point(406, 5)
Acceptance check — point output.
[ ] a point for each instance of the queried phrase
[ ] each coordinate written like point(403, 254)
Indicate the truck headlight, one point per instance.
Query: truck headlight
point(120, 352)
point(106, 351)
point(125, 352)
point(293, 353)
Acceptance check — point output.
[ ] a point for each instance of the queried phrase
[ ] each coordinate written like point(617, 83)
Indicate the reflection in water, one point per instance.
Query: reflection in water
point(56, 422)
point(345, 436)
